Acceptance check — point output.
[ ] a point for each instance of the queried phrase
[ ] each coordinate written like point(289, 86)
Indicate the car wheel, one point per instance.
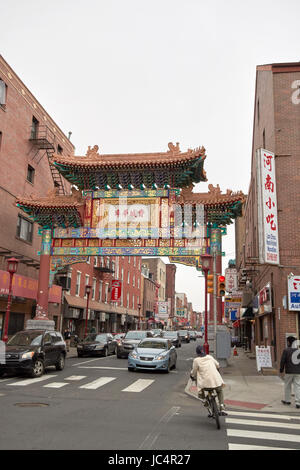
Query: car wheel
point(61, 363)
point(38, 368)
point(115, 351)
point(168, 368)
point(130, 369)
point(105, 352)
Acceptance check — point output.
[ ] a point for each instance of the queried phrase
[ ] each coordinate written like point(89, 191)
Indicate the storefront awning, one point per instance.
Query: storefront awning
point(248, 314)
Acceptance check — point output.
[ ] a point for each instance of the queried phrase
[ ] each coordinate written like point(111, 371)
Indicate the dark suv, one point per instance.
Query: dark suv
point(31, 351)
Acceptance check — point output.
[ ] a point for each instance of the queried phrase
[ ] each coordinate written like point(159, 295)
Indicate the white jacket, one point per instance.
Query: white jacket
point(206, 373)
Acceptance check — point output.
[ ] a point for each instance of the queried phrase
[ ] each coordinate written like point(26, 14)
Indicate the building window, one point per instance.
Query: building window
point(95, 261)
point(78, 279)
point(89, 260)
point(30, 174)
point(3, 88)
point(264, 139)
point(106, 293)
point(94, 289)
point(87, 281)
point(127, 300)
point(133, 281)
point(100, 291)
point(34, 128)
point(122, 274)
point(128, 277)
point(24, 229)
point(59, 149)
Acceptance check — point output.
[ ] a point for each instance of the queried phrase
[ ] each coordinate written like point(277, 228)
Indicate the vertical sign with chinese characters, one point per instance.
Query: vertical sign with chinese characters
point(116, 290)
point(267, 207)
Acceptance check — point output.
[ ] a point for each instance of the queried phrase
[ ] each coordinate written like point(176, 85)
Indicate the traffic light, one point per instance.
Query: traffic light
point(210, 283)
point(221, 286)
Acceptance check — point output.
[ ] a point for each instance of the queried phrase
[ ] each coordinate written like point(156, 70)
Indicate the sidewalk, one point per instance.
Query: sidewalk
point(248, 389)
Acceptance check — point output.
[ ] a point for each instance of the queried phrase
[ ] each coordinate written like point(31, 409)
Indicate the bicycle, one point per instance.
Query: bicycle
point(210, 404)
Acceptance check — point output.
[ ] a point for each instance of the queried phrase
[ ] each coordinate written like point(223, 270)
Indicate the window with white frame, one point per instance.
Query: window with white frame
point(94, 289)
point(128, 277)
point(106, 293)
point(117, 268)
point(2, 93)
point(133, 281)
point(122, 274)
point(95, 261)
point(78, 279)
point(127, 300)
point(87, 281)
point(100, 291)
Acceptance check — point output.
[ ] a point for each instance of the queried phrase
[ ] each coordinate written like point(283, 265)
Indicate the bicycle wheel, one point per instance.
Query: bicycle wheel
point(215, 410)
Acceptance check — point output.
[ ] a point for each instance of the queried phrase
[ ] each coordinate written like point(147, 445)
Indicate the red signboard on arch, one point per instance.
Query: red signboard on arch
point(116, 290)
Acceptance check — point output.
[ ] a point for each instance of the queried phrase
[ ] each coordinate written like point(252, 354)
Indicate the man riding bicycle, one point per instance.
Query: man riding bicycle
point(205, 372)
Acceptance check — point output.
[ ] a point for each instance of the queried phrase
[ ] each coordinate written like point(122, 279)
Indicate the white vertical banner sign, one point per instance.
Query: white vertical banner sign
point(267, 207)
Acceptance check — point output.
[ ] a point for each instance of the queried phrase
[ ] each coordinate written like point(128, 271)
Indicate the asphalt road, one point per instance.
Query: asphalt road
point(118, 410)
point(96, 404)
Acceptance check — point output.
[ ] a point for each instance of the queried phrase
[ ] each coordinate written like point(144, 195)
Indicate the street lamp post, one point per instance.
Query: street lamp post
point(12, 266)
point(139, 309)
point(206, 266)
point(88, 289)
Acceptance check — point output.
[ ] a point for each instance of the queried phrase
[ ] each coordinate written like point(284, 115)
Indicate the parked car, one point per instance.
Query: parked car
point(157, 332)
point(131, 340)
point(174, 337)
point(119, 337)
point(184, 335)
point(94, 344)
point(153, 354)
point(193, 335)
point(31, 351)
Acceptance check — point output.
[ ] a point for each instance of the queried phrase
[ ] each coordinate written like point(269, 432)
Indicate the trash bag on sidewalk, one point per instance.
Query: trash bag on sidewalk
point(191, 389)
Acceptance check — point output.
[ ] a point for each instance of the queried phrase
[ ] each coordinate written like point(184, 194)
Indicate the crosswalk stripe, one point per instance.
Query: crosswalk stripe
point(254, 447)
point(138, 386)
point(75, 377)
point(262, 415)
point(97, 383)
point(23, 383)
point(262, 435)
point(56, 385)
point(274, 424)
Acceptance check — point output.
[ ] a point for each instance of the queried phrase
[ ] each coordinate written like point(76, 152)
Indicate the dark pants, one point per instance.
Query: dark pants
point(219, 391)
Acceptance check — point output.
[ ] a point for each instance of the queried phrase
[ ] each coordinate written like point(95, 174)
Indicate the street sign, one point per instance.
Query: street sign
point(294, 292)
point(116, 290)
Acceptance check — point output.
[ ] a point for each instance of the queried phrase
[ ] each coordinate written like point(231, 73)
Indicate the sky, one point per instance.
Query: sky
point(133, 75)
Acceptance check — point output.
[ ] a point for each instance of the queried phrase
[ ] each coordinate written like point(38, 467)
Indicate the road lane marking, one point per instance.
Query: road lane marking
point(23, 383)
point(262, 415)
point(86, 362)
point(250, 422)
point(150, 440)
point(102, 367)
point(75, 377)
point(98, 383)
point(56, 385)
point(138, 386)
point(262, 435)
point(253, 447)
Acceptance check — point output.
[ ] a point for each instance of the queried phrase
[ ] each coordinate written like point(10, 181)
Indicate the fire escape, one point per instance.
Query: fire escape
point(44, 143)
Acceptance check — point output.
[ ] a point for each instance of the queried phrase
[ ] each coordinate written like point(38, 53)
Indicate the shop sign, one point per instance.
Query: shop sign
point(116, 290)
point(294, 292)
point(265, 301)
point(231, 279)
point(26, 287)
point(267, 208)
point(263, 357)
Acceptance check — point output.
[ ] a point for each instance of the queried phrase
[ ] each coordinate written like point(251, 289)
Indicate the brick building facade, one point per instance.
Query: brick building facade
point(25, 170)
point(276, 129)
point(28, 137)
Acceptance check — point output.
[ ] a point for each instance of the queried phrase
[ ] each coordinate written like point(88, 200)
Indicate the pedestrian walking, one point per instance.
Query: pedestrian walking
point(67, 338)
point(290, 365)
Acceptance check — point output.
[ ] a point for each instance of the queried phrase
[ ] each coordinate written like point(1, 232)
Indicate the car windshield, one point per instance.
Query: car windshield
point(26, 339)
point(182, 332)
point(148, 344)
point(135, 335)
point(94, 337)
point(170, 334)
